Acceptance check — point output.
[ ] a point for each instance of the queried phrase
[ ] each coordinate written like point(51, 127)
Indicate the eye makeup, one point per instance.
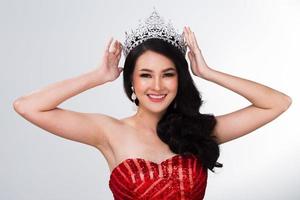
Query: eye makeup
point(166, 74)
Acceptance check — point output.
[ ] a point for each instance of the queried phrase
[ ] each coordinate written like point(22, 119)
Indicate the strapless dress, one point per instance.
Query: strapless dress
point(179, 177)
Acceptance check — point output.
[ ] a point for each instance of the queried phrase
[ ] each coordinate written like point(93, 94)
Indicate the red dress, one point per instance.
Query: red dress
point(179, 177)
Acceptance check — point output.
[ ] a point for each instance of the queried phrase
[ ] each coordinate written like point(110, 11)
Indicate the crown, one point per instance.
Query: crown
point(154, 27)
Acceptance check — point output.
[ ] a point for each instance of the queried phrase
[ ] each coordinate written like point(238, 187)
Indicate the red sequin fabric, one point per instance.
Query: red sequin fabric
point(181, 177)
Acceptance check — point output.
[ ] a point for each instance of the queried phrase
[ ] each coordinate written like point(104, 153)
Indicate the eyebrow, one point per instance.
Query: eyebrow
point(149, 70)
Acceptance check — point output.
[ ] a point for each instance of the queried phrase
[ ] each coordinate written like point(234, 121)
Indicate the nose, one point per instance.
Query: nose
point(157, 83)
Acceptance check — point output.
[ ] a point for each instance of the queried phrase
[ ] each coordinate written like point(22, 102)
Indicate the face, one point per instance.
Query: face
point(154, 76)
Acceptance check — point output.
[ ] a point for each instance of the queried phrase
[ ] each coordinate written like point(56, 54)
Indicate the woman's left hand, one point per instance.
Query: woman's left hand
point(197, 62)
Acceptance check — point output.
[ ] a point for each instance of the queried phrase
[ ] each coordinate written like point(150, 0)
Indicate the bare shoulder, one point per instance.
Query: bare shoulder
point(111, 129)
point(108, 126)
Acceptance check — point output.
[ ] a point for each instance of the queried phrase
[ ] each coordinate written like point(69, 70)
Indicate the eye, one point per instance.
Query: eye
point(166, 74)
point(144, 75)
point(169, 74)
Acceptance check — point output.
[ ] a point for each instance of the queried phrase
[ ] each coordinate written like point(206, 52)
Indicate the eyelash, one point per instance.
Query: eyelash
point(146, 75)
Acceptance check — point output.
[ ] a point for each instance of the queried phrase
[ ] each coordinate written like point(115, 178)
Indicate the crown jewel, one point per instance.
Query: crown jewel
point(154, 27)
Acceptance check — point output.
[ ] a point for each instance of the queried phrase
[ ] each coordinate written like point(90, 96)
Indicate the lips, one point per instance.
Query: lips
point(156, 95)
point(156, 98)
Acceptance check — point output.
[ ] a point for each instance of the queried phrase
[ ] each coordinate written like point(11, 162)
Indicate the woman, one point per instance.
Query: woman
point(164, 150)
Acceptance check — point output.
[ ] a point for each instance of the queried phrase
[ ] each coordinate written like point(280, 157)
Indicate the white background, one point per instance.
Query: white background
point(43, 42)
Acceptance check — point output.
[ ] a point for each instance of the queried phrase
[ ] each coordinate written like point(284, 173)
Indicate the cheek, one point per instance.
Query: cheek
point(172, 84)
point(141, 84)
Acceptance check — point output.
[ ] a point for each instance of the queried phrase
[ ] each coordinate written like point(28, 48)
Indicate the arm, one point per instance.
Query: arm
point(267, 103)
point(51, 96)
point(40, 106)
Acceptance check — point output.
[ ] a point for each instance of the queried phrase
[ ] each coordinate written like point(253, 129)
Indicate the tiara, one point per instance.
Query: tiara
point(154, 27)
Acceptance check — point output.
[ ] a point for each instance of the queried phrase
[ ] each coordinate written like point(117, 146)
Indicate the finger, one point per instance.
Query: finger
point(191, 38)
point(119, 48)
point(186, 34)
point(108, 45)
point(119, 56)
point(114, 47)
point(192, 59)
point(183, 35)
point(122, 46)
point(195, 40)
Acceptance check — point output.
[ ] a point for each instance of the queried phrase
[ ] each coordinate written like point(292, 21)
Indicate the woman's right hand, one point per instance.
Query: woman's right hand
point(108, 66)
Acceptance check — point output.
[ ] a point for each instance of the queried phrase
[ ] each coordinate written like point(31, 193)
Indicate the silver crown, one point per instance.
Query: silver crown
point(154, 27)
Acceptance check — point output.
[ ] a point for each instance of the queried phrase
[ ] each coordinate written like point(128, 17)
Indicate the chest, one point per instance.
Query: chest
point(130, 144)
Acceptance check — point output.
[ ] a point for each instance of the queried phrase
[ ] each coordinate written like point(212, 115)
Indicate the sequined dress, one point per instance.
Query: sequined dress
point(181, 177)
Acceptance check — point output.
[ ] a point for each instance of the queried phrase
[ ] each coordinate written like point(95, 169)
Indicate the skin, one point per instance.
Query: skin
point(107, 133)
point(156, 81)
point(266, 103)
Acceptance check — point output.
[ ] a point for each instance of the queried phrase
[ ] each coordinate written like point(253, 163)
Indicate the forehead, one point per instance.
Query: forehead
point(153, 62)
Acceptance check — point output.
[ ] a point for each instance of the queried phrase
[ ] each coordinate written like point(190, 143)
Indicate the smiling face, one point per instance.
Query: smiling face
point(155, 74)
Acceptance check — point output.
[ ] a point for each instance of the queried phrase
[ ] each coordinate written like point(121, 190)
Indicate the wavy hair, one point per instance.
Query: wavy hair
point(182, 127)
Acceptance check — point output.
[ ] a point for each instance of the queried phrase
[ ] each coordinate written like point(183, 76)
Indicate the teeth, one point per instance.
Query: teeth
point(156, 96)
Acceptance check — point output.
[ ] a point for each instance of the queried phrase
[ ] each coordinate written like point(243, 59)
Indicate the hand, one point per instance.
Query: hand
point(197, 62)
point(110, 61)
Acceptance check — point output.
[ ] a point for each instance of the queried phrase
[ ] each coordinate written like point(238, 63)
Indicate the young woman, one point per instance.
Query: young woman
point(164, 150)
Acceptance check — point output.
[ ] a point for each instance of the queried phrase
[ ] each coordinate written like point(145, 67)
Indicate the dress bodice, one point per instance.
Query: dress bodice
point(181, 177)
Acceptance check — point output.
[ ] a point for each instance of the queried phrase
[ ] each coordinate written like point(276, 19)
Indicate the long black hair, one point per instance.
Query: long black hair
point(182, 126)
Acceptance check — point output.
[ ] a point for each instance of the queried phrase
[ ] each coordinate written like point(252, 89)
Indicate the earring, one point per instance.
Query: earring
point(133, 96)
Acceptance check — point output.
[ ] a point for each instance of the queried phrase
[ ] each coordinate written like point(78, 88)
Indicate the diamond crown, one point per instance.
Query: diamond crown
point(154, 27)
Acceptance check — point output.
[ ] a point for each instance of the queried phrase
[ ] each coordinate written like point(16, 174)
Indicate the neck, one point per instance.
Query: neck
point(147, 120)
